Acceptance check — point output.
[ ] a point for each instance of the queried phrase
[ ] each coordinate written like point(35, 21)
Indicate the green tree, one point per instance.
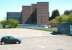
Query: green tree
point(67, 12)
point(11, 23)
point(70, 18)
point(55, 13)
point(61, 19)
point(3, 23)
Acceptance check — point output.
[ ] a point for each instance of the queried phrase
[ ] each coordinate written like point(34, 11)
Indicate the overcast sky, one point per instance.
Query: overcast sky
point(16, 5)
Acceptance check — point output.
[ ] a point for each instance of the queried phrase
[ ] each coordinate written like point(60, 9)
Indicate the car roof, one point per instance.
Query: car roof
point(8, 36)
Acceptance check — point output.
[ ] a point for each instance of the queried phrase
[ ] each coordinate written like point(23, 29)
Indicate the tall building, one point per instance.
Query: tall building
point(26, 14)
point(36, 14)
point(42, 13)
point(14, 15)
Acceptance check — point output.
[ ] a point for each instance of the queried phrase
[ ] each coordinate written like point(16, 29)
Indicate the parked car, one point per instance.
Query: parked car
point(56, 33)
point(10, 40)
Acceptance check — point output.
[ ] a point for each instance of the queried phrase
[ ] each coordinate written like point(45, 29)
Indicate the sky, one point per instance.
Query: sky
point(16, 6)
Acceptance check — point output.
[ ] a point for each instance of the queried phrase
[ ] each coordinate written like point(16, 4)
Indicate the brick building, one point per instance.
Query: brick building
point(42, 13)
point(26, 14)
point(36, 14)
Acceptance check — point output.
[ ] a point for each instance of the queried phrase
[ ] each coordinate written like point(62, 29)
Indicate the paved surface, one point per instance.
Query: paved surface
point(36, 40)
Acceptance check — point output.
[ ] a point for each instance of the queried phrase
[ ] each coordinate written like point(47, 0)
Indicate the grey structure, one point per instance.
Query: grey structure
point(14, 15)
point(36, 14)
point(65, 28)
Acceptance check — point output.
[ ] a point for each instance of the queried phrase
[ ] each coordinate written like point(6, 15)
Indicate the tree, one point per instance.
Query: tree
point(53, 22)
point(3, 23)
point(58, 19)
point(11, 23)
point(67, 12)
point(55, 13)
point(61, 19)
point(70, 18)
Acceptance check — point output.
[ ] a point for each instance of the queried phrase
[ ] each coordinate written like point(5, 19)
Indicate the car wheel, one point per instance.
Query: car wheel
point(17, 42)
point(2, 43)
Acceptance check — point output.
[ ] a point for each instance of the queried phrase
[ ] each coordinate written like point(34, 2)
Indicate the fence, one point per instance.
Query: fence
point(38, 27)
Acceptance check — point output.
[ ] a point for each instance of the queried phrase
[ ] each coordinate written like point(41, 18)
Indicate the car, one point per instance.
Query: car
point(56, 33)
point(10, 40)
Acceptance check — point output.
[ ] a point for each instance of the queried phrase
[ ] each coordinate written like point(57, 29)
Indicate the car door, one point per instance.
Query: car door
point(11, 40)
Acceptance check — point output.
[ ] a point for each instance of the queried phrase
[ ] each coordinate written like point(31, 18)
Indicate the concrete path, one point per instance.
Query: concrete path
point(36, 40)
